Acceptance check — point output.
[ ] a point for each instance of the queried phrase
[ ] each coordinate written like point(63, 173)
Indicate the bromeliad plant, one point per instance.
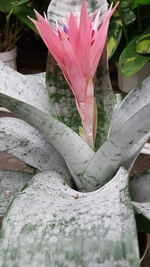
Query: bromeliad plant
point(77, 48)
point(77, 210)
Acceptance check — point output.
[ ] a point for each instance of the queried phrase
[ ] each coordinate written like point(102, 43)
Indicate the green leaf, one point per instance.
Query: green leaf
point(114, 36)
point(9, 5)
point(21, 2)
point(11, 182)
point(6, 5)
point(143, 44)
point(125, 11)
point(22, 13)
point(142, 2)
point(130, 61)
point(25, 88)
point(20, 139)
point(70, 145)
point(129, 127)
point(105, 99)
point(56, 220)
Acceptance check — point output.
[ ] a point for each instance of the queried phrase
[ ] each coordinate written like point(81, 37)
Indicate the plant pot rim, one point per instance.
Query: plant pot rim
point(9, 54)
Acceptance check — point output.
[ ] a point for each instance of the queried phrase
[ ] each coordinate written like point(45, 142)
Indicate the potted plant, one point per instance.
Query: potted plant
point(77, 211)
point(130, 31)
point(13, 15)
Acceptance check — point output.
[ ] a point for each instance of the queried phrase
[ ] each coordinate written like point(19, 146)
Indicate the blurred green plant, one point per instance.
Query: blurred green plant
point(129, 35)
point(13, 18)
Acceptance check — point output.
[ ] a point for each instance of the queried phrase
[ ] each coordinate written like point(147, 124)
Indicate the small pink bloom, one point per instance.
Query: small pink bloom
point(77, 47)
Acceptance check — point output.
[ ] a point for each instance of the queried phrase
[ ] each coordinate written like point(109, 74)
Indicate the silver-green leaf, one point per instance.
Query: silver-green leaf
point(64, 227)
point(25, 88)
point(23, 141)
point(69, 144)
point(11, 182)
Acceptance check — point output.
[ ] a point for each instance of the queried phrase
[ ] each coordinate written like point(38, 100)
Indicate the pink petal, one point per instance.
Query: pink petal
point(84, 43)
point(98, 45)
point(73, 32)
point(73, 71)
point(50, 38)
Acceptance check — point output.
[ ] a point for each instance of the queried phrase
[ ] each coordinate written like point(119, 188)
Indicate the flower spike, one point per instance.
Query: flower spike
point(77, 48)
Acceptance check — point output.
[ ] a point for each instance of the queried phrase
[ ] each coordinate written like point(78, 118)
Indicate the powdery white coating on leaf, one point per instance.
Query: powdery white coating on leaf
point(54, 225)
point(132, 103)
point(39, 77)
point(24, 88)
point(23, 141)
point(11, 182)
point(115, 152)
point(70, 145)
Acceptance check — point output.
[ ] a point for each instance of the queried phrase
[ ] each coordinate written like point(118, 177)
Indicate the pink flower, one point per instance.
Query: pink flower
point(77, 48)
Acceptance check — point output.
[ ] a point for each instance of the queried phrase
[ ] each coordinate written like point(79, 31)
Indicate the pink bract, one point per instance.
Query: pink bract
point(77, 48)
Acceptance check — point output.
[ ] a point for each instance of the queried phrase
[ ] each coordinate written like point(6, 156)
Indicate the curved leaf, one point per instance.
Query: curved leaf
point(11, 182)
point(70, 145)
point(132, 103)
point(143, 44)
point(22, 12)
point(130, 61)
point(70, 228)
point(23, 141)
point(114, 35)
point(129, 131)
point(23, 88)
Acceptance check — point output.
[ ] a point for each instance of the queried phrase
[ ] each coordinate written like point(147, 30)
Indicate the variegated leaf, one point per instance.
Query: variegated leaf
point(130, 124)
point(132, 103)
point(70, 145)
point(11, 182)
point(64, 227)
point(23, 141)
point(24, 88)
point(110, 155)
